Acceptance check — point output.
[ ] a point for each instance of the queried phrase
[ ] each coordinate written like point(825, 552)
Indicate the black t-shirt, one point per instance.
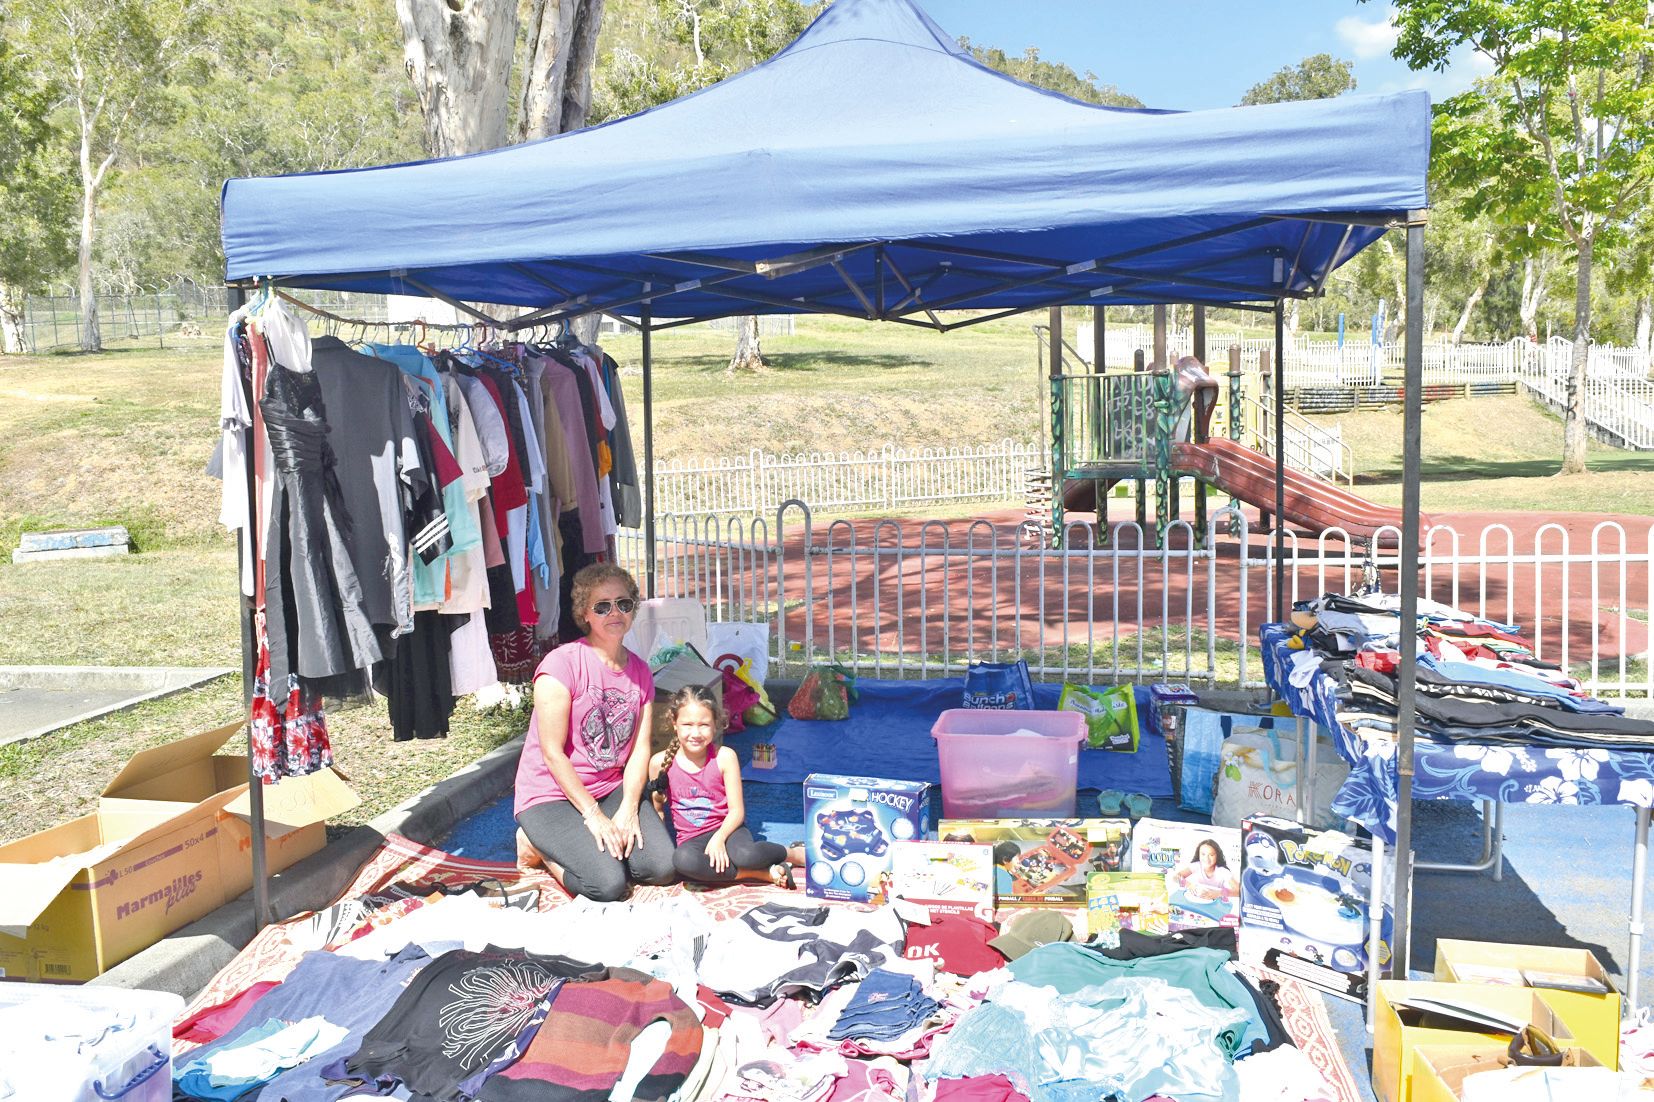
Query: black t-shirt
point(463, 1012)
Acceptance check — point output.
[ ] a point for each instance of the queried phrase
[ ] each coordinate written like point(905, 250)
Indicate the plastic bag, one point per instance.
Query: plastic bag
point(739, 697)
point(825, 693)
point(1110, 715)
point(1258, 775)
point(731, 642)
point(760, 713)
point(999, 685)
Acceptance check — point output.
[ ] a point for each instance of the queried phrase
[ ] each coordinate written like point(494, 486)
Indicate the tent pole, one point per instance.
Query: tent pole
point(237, 298)
point(1408, 557)
point(1280, 463)
point(644, 320)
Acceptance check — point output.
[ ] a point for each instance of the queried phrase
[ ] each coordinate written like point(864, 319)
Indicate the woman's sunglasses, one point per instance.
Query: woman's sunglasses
point(626, 605)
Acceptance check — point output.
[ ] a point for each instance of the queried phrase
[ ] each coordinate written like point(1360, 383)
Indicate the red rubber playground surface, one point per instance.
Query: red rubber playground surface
point(972, 585)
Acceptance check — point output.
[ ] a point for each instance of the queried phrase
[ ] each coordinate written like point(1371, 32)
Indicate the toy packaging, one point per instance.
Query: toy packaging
point(1305, 905)
point(1200, 865)
point(1045, 861)
point(850, 824)
point(947, 878)
point(1116, 901)
point(1110, 715)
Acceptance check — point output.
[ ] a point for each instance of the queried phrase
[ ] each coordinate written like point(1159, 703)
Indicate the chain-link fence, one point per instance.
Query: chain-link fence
point(184, 309)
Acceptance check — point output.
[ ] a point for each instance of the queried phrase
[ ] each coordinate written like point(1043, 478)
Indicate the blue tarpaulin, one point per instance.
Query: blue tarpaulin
point(874, 168)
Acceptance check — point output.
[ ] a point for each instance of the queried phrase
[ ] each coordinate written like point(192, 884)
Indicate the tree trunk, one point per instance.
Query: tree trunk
point(1292, 316)
point(1645, 329)
point(1535, 272)
point(91, 336)
point(12, 306)
point(1469, 306)
point(585, 328)
point(1573, 415)
point(557, 62)
point(748, 356)
point(458, 55)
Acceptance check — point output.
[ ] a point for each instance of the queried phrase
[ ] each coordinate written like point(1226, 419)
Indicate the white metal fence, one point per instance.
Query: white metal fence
point(1619, 395)
point(907, 599)
point(889, 478)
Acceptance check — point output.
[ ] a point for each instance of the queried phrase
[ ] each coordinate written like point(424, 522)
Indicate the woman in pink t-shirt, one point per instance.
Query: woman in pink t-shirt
point(579, 803)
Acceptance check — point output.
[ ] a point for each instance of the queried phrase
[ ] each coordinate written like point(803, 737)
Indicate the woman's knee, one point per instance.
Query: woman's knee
point(608, 885)
point(650, 866)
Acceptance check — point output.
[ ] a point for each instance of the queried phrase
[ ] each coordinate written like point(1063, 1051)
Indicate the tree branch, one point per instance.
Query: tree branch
point(1543, 135)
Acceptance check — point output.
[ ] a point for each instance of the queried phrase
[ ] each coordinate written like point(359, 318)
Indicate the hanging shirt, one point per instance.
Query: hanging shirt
point(235, 422)
point(570, 408)
point(372, 436)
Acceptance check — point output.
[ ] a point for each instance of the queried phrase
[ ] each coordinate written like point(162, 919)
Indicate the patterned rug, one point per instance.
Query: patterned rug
point(273, 953)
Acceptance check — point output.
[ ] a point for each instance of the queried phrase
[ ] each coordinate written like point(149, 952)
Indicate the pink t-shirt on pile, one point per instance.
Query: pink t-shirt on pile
point(603, 717)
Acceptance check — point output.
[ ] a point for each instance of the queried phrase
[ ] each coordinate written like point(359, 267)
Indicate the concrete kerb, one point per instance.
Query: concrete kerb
point(186, 961)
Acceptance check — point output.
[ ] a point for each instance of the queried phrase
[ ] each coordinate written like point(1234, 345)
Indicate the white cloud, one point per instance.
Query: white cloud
point(1368, 40)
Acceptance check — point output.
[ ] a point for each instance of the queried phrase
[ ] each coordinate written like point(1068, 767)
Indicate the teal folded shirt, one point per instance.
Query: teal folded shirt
point(1068, 967)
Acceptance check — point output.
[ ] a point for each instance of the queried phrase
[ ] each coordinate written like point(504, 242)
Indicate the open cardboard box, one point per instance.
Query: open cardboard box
point(1439, 1071)
point(169, 843)
point(1594, 1018)
point(1397, 1034)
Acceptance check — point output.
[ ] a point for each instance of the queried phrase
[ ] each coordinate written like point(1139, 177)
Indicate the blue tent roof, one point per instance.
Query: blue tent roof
point(872, 168)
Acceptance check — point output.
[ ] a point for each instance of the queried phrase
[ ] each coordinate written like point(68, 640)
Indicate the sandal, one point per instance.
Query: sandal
point(781, 874)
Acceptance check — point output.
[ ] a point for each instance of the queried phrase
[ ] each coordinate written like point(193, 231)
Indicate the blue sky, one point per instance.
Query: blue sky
point(1195, 54)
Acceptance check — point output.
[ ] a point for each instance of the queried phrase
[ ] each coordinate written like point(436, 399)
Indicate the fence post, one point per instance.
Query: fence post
point(890, 476)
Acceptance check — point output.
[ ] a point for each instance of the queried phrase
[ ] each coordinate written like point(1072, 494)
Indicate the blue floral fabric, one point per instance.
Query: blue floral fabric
point(1451, 771)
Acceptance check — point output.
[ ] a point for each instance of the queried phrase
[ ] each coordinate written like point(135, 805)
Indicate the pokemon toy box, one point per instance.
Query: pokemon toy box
point(849, 826)
point(1305, 907)
point(1045, 861)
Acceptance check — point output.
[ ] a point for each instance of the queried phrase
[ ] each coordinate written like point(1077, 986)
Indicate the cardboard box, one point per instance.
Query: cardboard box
point(944, 877)
point(1118, 901)
point(1305, 905)
point(168, 844)
point(1593, 1018)
point(850, 824)
point(1203, 886)
point(1045, 861)
point(1398, 1033)
point(1439, 1071)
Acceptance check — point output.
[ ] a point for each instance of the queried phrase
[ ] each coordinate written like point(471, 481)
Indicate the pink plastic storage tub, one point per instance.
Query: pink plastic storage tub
point(1008, 764)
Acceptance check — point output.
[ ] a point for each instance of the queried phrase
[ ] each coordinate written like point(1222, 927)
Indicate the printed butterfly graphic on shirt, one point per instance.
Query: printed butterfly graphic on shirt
point(607, 729)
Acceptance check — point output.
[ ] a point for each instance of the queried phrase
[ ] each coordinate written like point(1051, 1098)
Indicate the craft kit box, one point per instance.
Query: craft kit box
point(946, 878)
point(1305, 905)
point(1560, 974)
point(1398, 1033)
point(1201, 867)
point(1116, 901)
point(850, 825)
point(1045, 861)
point(169, 843)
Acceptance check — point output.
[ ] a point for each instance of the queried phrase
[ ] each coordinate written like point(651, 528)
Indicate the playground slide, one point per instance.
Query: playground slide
point(1308, 502)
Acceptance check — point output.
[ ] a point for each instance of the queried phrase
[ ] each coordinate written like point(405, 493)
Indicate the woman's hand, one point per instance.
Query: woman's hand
point(606, 832)
point(628, 832)
point(717, 854)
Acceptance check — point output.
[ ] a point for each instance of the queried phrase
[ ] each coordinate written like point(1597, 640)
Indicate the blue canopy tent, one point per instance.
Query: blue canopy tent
point(874, 169)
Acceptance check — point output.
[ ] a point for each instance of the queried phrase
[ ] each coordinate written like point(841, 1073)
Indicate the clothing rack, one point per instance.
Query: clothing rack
point(480, 333)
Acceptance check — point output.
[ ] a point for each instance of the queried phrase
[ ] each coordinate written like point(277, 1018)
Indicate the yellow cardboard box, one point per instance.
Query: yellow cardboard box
point(1439, 1071)
point(1594, 1018)
point(169, 843)
point(1397, 1034)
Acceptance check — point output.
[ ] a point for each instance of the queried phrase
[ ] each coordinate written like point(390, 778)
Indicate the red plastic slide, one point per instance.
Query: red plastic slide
point(1307, 502)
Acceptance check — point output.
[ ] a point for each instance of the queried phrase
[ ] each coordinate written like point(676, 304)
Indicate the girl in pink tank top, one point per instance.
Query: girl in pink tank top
point(697, 787)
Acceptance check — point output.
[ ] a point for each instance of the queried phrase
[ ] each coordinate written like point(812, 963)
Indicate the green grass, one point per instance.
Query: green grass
point(1494, 455)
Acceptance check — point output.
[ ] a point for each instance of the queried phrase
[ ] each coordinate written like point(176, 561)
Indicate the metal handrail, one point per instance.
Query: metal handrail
point(1314, 434)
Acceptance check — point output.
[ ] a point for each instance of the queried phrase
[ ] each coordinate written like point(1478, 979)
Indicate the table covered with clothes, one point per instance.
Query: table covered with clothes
point(1495, 721)
point(487, 991)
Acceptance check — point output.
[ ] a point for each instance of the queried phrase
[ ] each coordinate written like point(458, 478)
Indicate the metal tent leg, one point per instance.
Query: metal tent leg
point(1493, 846)
point(1639, 881)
